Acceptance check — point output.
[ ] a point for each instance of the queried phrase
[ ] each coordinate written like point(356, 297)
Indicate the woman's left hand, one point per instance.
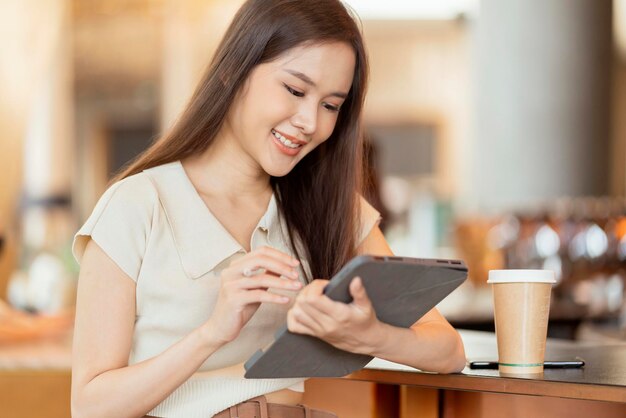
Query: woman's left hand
point(351, 327)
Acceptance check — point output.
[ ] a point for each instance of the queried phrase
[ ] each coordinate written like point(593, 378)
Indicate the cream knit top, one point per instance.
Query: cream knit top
point(159, 231)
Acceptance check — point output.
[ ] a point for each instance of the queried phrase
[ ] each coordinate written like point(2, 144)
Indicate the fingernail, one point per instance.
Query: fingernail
point(284, 299)
point(296, 285)
point(294, 274)
point(295, 262)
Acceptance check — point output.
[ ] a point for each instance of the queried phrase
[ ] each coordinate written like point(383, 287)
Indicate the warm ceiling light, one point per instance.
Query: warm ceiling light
point(412, 9)
point(619, 26)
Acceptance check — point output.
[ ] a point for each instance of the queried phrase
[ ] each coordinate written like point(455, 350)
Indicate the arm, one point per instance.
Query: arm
point(430, 344)
point(103, 385)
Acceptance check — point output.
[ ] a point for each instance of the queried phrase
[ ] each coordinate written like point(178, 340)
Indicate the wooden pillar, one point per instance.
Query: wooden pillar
point(31, 44)
point(192, 31)
point(542, 101)
point(417, 402)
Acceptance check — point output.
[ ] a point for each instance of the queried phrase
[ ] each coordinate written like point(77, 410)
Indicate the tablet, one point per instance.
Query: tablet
point(401, 289)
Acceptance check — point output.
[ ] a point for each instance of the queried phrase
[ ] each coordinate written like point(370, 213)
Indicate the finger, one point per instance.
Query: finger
point(321, 318)
point(273, 265)
point(262, 296)
point(270, 264)
point(313, 290)
point(298, 328)
point(297, 325)
point(265, 281)
point(357, 290)
point(279, 255)
point(317, 286)
point(312, 296)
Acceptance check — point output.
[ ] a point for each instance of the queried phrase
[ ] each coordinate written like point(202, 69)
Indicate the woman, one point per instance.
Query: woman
point(200, 250)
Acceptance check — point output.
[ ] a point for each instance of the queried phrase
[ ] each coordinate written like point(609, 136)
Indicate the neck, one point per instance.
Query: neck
point(226, 170)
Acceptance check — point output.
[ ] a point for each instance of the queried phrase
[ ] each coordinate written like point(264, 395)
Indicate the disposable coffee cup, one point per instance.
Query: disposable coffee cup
point(521, 307)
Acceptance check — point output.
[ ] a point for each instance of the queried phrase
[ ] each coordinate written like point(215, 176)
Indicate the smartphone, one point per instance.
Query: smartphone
point(548, 364)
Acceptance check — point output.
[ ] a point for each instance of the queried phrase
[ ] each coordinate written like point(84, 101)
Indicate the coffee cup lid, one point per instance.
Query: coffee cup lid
point(521, 276)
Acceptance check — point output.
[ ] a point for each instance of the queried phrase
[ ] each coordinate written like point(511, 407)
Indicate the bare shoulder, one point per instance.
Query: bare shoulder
point(105, 314)
point(98, 269)
point(374, 243)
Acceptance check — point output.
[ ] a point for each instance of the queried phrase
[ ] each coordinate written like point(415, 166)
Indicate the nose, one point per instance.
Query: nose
point(305, 119)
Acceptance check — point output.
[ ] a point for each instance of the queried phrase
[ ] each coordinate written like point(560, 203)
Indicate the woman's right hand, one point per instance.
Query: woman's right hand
point(240, 296)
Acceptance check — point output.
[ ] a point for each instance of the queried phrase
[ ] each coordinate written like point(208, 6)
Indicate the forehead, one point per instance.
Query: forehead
point(329, 65)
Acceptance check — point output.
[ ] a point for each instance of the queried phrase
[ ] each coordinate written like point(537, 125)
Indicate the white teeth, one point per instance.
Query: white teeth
point(285, 141)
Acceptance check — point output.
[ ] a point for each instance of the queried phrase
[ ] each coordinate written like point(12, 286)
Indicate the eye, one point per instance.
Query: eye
point(293, 91)
point(331, 107)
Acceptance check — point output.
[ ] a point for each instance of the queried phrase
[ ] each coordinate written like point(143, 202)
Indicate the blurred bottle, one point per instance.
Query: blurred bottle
point(582, 239)
point(45, 281)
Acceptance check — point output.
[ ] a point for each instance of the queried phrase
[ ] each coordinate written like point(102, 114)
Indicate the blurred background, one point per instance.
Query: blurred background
point(497, 129)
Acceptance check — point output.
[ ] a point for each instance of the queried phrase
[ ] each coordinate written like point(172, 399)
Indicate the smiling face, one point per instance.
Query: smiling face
point(289, 106)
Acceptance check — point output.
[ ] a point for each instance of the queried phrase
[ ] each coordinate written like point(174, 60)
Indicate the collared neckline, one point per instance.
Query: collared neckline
point(201, 240)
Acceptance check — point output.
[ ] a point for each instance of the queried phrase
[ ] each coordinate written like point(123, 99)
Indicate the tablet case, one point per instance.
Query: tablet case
point(401, 289)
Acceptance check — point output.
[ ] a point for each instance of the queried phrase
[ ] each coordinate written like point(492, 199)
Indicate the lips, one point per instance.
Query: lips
point(292, 139)
point(284, 145)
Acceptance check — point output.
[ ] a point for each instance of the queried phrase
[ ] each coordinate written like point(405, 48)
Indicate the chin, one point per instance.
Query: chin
point(278, 167)
point(277, 172)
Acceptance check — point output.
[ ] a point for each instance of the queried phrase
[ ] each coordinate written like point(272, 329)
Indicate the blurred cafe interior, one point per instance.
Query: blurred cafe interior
point(496, 129)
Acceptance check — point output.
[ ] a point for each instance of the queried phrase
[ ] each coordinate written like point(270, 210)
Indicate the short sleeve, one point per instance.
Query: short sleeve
point(121, 223)
point(369, 219)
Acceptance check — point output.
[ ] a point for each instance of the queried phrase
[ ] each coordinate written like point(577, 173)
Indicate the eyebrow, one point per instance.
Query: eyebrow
point(310, 82)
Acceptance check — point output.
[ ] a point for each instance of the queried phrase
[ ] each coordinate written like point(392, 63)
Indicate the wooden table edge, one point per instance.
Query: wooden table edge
point(490, 384)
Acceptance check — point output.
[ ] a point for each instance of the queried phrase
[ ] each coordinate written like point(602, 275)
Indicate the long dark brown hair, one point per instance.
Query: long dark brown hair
point(318, 198)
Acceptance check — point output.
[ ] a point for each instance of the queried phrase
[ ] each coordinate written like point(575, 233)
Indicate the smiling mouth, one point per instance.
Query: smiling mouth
point(286, 142)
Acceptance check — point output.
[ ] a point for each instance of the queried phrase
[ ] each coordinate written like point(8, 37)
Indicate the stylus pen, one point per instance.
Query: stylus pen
point(560, 364)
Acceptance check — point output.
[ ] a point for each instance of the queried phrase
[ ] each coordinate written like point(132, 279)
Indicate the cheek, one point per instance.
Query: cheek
point(325, 127)
point(265, 107)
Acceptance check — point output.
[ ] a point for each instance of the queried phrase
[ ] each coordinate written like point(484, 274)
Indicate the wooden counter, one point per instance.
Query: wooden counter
point(602, 379)
point(597, 390)
point(35, 379)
